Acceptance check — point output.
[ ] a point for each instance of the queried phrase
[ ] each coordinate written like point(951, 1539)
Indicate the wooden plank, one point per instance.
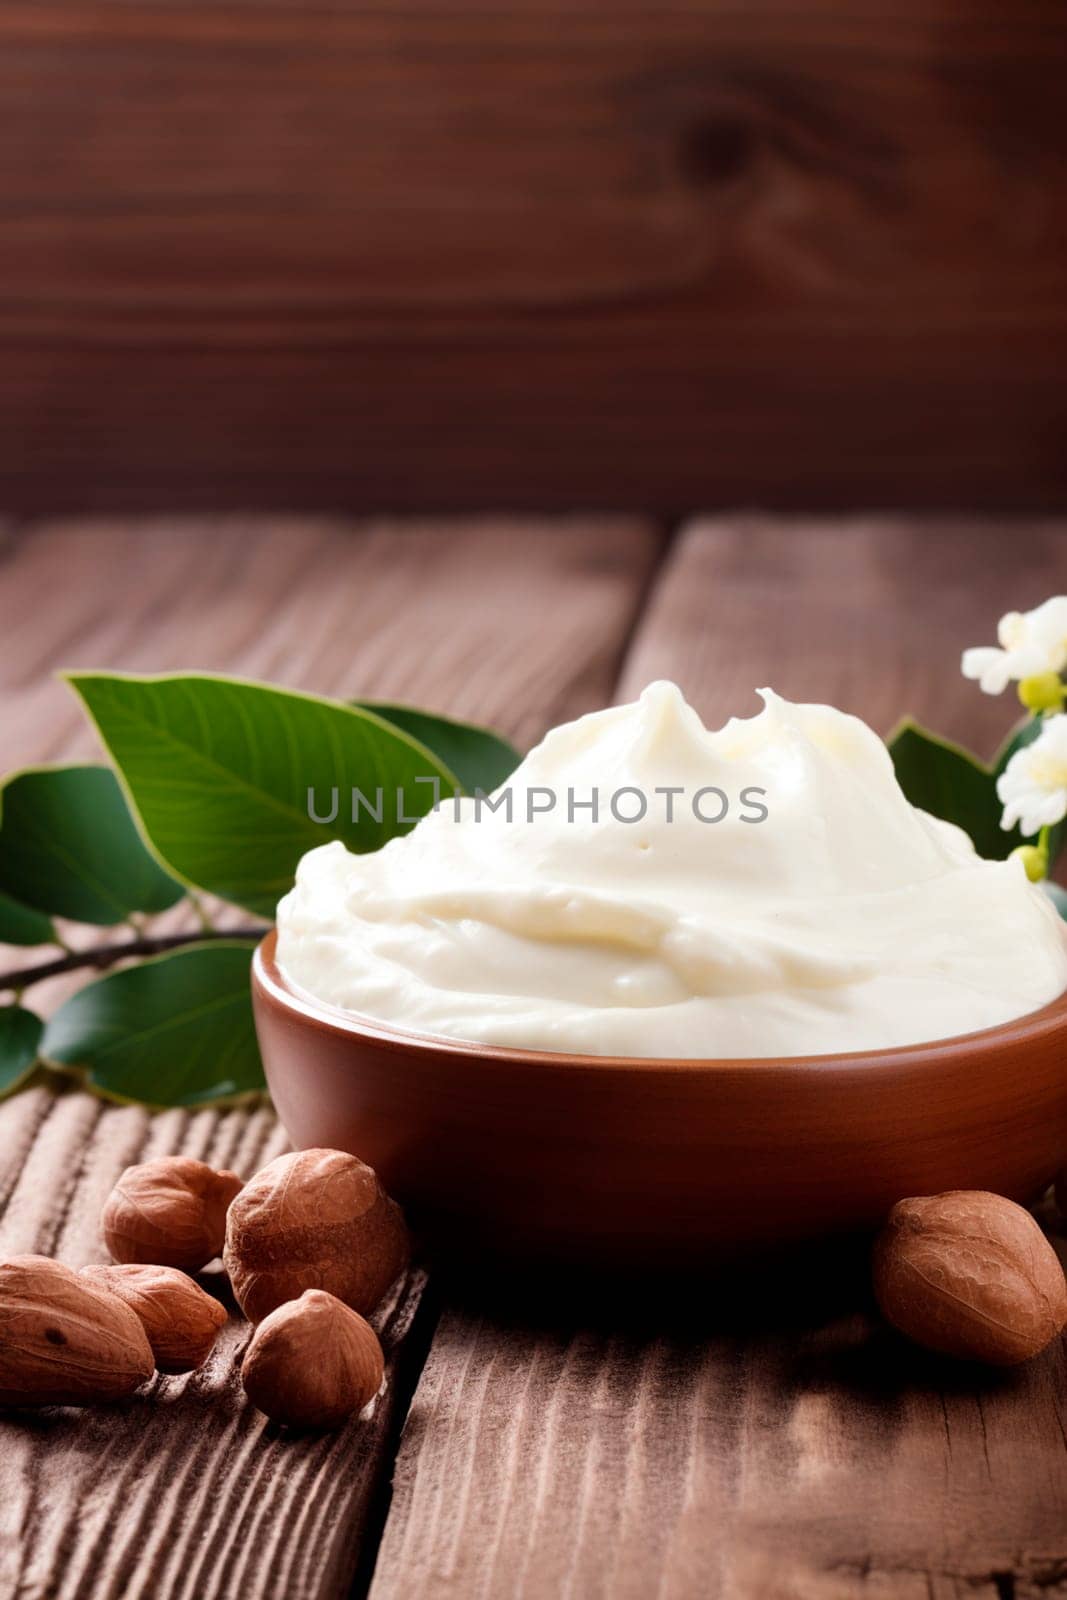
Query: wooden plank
point(517, 622)
point(870, 614)
point(800, 1454)
point(764, 1437)
point(186, 1491)
point(566, 255)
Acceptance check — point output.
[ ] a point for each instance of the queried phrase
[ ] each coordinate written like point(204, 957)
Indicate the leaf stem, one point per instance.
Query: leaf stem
point(102, 956)
point(1044, 839)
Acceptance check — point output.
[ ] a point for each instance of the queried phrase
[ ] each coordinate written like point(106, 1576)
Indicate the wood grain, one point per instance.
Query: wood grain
point(759, 1436)
point(810, 1457)
point(517, 622)
point(869, 614)
point(564, 255)
point(186, 1491)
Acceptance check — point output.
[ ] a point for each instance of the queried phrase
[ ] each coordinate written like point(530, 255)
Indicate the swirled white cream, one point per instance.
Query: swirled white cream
point(844, 920)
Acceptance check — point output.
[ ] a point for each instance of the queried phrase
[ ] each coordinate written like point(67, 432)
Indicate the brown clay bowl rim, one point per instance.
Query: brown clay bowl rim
point(1049, 1021)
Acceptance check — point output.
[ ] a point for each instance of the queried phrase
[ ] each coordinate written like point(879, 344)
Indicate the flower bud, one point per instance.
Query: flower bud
point(1034, 860)
point(1042, 692)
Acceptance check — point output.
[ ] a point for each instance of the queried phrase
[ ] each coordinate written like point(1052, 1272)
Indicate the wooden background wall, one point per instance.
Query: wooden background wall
point(553, 253)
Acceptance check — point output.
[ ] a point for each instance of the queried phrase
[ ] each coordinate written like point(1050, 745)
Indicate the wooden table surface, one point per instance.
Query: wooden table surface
point(755, 1437)
point(569, 253)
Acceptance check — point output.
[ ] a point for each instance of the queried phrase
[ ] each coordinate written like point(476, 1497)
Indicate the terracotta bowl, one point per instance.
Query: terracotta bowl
point(608, 1160)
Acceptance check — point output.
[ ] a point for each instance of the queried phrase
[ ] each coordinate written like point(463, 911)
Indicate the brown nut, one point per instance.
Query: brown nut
point(314, 1219)
point(1061, 1194)
point(970, 1274)
point(312, 1362)
point(63, 1340)
point(170, 1212)
point(181, 1321)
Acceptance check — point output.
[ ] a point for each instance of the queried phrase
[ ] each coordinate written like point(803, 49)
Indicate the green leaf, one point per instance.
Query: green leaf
point(20, 924)
point(69, 847)
point(219, 772)
point(1058, 895)
point(20, 1036)
point(948, 782)
point(173, 1031)
point(479, 758)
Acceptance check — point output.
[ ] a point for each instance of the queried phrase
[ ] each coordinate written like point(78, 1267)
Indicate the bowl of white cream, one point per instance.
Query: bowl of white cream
point(670, 989)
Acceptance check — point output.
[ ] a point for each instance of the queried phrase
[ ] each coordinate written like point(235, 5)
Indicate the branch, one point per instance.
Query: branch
point(102, 956)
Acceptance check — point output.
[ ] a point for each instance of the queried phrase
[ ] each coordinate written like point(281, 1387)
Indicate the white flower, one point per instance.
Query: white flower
point(1031, 642)
point(1033, 785)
